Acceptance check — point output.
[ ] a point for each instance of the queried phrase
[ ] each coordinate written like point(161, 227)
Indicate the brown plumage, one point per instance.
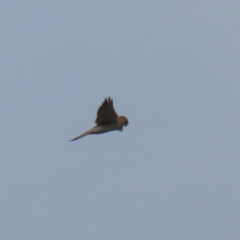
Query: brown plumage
point(107, 120)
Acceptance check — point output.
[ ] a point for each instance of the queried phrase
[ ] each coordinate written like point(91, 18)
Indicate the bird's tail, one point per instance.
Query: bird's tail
point(83, 135)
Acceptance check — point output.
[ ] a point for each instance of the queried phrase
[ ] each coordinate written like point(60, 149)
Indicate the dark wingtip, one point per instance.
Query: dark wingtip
point(110, 100)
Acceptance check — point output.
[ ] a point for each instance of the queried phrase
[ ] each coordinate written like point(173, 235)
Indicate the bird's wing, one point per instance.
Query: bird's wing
point(83, 135)
point(106, 112)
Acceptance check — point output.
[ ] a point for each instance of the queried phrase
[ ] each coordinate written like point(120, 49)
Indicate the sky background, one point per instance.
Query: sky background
point(172, 67)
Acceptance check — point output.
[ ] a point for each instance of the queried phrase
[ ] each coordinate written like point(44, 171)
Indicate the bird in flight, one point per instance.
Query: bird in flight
point(107, 120)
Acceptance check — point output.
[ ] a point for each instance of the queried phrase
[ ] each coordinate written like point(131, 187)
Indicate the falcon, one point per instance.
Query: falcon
point(107, 120)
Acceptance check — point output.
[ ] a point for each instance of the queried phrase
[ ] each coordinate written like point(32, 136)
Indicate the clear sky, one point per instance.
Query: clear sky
point(172, 67)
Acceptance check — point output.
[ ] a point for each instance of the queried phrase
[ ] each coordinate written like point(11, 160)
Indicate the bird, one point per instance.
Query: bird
point(107, 120)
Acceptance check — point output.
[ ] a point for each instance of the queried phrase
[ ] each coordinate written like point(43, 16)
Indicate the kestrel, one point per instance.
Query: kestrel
point(107, 120)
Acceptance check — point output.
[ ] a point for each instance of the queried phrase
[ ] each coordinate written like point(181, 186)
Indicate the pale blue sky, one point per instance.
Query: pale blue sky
point(172, 67)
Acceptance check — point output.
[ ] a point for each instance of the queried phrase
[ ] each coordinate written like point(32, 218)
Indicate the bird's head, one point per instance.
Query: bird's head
point(123, 120)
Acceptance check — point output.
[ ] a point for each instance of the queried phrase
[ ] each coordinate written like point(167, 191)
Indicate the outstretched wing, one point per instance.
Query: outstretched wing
point(83, 135)
point(106, 112)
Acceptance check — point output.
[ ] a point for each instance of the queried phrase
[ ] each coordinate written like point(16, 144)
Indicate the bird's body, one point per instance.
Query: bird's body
point(107, 120)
